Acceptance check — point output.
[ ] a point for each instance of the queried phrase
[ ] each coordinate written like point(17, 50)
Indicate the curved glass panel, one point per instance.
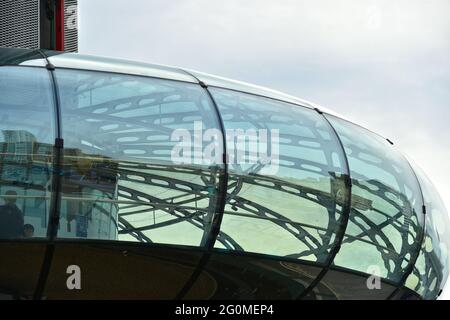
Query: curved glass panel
point(27, 135)
point(386, 217)
point(431, 269)
point(220, 82)
point(286, 190)
point(106, 64)
point(120, 179)
point(216, 81)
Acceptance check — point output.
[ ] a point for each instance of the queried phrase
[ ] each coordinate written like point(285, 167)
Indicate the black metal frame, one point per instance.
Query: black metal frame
point(55, 201)
point(222, 191)
point(341, 233)
point(411, 265)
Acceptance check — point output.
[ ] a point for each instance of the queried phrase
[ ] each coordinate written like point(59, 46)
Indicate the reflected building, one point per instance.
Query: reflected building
point(18, 144)
point(97, 137)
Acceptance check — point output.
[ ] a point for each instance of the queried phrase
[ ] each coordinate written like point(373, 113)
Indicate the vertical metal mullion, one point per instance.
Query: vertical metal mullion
point(221, 200)
point(413, 260)
point(58, 149)
point(223, 178)
point(345, 215)
point(55, 198)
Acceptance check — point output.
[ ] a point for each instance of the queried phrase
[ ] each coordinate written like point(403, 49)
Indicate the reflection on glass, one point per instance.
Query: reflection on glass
point(119, 180)
point(26, 151)
point(296, 210)
point(215, 81)
point(386, 217)
point(431, 269)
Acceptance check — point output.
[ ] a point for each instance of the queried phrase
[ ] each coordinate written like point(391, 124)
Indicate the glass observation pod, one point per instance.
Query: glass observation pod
point(133, 180)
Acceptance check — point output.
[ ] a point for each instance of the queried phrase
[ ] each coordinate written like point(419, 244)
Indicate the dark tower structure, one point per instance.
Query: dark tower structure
point(39, 24)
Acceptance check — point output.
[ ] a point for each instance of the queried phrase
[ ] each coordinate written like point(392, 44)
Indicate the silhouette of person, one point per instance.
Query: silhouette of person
point(11, 218)
point(28, 231)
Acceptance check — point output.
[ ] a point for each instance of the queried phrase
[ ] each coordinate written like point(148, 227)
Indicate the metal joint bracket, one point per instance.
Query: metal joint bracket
point(59, 143)
point(54, 219)
point(318, 110)
point(348, 182)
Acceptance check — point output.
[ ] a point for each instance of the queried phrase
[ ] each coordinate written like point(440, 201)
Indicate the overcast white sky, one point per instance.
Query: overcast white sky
point(384, 64)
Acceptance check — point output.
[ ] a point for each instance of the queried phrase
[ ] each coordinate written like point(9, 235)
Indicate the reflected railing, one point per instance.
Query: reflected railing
point(135, 196)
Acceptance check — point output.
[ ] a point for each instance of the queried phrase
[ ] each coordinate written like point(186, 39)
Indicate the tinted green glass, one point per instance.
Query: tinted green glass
point(120, 181)
point(286, 197)
point(27, 135)
point(386, 217)
point(431, 269)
